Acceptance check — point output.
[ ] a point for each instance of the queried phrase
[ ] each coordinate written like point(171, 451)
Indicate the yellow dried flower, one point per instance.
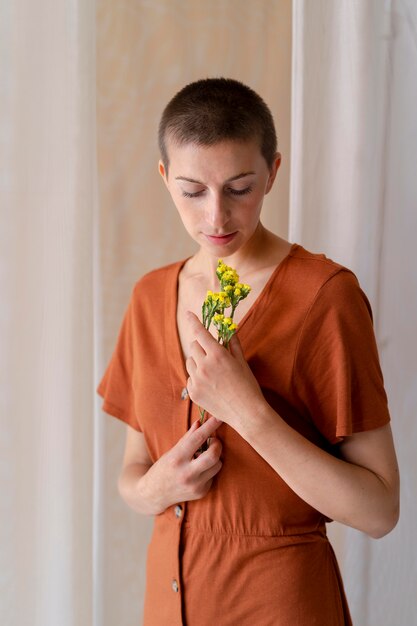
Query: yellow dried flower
point(230, 277)
point(232, 292)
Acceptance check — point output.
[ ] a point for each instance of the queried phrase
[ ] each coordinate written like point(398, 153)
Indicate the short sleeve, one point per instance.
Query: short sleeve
point(116, 385)
point(337, 373)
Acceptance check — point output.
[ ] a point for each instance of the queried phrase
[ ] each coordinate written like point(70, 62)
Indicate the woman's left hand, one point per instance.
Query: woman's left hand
point(221, 381)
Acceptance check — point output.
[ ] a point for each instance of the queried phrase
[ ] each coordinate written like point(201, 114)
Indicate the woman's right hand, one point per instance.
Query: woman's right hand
point(177, 476)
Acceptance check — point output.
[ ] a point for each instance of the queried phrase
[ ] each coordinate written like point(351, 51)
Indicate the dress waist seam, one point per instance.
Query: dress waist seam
point(321, 531)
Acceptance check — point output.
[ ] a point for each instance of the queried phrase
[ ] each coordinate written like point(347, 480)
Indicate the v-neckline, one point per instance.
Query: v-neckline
point(173, 301)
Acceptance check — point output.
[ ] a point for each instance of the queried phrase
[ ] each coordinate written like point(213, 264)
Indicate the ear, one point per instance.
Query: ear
point(162, 171)
point(273, 172)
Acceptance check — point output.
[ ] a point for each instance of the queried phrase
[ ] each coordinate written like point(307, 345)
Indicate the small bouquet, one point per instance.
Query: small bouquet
point(213, 310)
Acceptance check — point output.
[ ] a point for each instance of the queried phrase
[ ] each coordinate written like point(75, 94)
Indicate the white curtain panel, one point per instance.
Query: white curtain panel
point(48, 200)
point(353, 192)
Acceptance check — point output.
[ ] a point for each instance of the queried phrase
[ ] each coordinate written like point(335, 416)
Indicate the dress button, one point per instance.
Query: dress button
point(184, 393)
point(174, 585)
point(178, 510)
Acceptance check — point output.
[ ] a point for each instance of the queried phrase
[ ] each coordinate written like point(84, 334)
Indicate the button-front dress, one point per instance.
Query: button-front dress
point(251, 551)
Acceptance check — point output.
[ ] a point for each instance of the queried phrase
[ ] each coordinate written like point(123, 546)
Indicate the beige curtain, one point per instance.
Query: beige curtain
point(354, 197)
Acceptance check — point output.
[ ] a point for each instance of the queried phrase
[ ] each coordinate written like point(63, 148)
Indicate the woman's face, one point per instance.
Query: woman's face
point(218, 191)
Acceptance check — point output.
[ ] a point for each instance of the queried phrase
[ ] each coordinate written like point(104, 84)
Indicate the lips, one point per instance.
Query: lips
point(221, 239)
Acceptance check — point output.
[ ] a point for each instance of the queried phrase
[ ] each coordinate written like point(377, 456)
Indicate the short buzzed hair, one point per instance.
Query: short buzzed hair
point(211, 110)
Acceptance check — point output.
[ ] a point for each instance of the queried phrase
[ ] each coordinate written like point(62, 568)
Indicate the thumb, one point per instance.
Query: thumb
point(236, 347)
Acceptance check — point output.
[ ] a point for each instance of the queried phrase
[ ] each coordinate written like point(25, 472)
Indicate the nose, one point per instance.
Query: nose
point(217, 213)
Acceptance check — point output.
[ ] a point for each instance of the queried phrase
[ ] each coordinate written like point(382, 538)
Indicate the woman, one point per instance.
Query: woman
point(298, 417)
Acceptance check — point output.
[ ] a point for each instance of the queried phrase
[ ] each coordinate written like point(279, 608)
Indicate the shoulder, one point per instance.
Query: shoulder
point(325, 282)
point(154, 289)
point(333, 301)
point(314, 266)
point(153, 281)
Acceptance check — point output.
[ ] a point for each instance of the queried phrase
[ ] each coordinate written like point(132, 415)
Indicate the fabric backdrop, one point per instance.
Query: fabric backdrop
point(84, 215)
point(147, 51)
point(354, 197)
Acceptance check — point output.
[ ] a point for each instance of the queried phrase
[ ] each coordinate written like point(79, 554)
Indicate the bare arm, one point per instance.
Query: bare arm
point(176, 476)
point(136, 462)
point(360, 490)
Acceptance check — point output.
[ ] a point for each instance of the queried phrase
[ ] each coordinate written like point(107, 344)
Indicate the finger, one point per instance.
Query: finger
point(190, 365)
point(208, 458)
point(186, 435)
point(198, 435)
point(213, 441)
point(211, 471)
point(196, 350)
point(196, 424)
point(202, 335)
point(236, 347)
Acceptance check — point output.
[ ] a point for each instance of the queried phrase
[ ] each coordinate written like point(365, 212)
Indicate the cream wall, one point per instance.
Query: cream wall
point(146, 51)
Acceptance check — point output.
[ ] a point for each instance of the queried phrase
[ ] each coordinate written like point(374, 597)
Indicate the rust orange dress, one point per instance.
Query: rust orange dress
point(251, 551)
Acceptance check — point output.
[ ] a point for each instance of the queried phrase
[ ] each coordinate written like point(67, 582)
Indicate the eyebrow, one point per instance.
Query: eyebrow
point(229, 180)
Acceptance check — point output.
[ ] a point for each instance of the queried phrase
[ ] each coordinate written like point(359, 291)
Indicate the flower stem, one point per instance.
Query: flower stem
point(202, 413)
point(204, 447)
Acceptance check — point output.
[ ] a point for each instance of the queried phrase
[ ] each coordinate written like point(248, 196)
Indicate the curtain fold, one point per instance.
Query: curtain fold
point(353, 196)
point(48, 203)
point(339, 111)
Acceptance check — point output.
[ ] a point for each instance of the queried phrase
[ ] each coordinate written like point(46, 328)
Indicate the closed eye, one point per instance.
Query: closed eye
point(240, 192)
point(234, 192)
point(191, 195)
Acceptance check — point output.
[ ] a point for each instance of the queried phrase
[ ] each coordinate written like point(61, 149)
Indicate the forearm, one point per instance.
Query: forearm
point(348, 493)
point(133, 488)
